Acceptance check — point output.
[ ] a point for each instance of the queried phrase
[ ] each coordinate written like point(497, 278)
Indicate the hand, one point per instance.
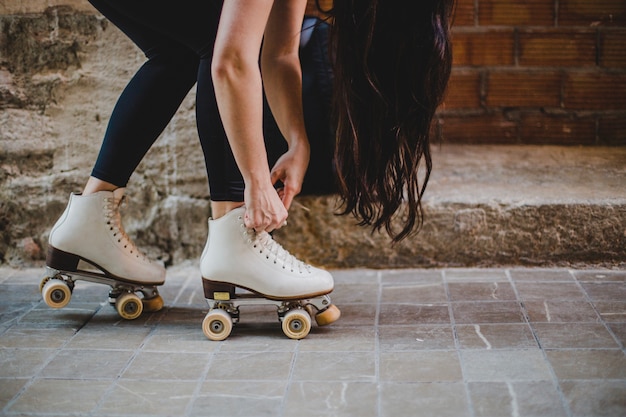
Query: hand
point(290, 170)
point(264, 209)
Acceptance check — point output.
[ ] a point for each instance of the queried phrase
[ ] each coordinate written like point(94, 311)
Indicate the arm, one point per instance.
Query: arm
point(282, 79)
point(238, 89)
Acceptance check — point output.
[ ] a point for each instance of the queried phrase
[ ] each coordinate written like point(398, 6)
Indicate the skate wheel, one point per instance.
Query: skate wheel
point(56, 293)
point(296, 324)
point(329, 315)
point(129, 306)
point(152, 305)
point(217, 324)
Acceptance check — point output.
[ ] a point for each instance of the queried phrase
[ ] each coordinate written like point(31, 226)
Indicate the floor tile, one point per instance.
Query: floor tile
point(250, 366)
point(9, 388)
point(619, 330)
point(420, 366)
point(314, 399)
point(588, 364)
point(430, 292)
point(574, 336)
point(496, 336)
point(335, 366)
point(475, 275)
point(516, 399)
point(52, 396)
point(505, 365)
point(605, 398)
point(605, 291)
point(561, 311)
point(540, 275)
point(416, 337)
point(87, 364)
point(411, 276)
point(23, 363)
point(611, 311)
point(356, 293)
point(239, 399)
point(35, 338)
point(356, 315)
point(108, 337)
point(487, 312)
point(431, 399)
point(344, 339)
point(154, 398)
point(552, 291)
point(600, 276)
point(178, 338)
point(401, 314)
point(481, 291)
point(167, 366)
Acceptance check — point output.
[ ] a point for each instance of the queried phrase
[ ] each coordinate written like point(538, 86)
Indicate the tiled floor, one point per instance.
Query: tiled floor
point(445, 342)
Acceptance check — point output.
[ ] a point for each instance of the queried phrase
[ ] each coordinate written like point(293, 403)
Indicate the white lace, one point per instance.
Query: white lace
point(273, 251)
point(114, 221)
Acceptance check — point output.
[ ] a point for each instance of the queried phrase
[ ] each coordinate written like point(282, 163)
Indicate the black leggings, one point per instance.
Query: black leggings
point(178, 38)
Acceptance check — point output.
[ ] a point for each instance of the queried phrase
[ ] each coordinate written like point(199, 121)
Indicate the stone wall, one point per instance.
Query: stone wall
point(62, 66)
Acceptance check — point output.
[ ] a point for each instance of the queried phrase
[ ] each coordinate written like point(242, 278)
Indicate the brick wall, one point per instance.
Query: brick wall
point(537, 71)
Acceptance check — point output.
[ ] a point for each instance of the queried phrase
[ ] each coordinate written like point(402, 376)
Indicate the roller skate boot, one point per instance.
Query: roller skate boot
point(240, 266)
point(89, 243)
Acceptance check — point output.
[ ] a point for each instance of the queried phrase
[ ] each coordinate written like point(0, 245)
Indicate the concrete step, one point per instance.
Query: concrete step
point(488, 205)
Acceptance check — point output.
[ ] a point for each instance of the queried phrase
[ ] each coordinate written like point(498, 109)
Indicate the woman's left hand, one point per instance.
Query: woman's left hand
point(290, 170)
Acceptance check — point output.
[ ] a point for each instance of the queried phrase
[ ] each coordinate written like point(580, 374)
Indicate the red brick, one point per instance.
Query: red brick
point(594, 91)
point(464, 13)
point(516, 12)
point(482, 128)
point(557, 48)
point(523, 89)
point(613, 49)
point(592, 12)
point(612, 130)
point(485, 47)
point(539, 128)
point(463, 91)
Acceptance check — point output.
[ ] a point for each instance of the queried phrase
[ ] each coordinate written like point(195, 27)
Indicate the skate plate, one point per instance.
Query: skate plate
point(294, 315)
point(57, 286)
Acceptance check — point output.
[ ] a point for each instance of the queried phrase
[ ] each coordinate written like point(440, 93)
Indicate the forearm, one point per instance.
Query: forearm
point(282, 79)
point(239, 97)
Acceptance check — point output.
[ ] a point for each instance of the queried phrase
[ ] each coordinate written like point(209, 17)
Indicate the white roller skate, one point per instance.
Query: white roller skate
point(238, 257)
point(89, 243)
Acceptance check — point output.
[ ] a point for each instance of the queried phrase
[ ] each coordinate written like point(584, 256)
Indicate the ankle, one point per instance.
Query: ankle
point(95, 185)
point(220, 208)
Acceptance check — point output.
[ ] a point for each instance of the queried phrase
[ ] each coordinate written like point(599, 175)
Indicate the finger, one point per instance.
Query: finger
point(287, 197)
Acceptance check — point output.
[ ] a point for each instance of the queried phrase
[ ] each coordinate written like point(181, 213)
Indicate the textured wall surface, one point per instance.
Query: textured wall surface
point(533, 71)
point(538, 71)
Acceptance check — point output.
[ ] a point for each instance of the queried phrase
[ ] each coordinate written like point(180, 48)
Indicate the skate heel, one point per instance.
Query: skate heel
point(214, 290)
point(60, 260)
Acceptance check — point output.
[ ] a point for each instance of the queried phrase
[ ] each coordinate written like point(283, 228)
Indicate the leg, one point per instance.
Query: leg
point(146, 105)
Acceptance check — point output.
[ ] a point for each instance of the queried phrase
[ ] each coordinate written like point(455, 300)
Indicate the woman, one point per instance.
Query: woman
point(392, 61)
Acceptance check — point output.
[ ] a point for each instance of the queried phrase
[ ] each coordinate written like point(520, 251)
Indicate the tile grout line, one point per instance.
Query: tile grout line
point(457, 343)
point(555, 379)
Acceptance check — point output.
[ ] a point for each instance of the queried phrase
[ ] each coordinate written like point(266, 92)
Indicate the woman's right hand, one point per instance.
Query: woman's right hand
point(265, 210)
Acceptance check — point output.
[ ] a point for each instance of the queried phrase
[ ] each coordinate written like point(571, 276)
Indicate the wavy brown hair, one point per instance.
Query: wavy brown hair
point(391, 64)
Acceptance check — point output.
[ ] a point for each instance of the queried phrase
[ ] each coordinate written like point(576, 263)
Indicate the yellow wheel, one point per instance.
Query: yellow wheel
point(296, 324)
point(327, 316)
point(152, 305)
point(56, 293)
point(217, 324)
point(129, 306)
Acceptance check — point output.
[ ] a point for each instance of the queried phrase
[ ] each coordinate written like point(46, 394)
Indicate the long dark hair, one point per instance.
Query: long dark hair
point(391, 63)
